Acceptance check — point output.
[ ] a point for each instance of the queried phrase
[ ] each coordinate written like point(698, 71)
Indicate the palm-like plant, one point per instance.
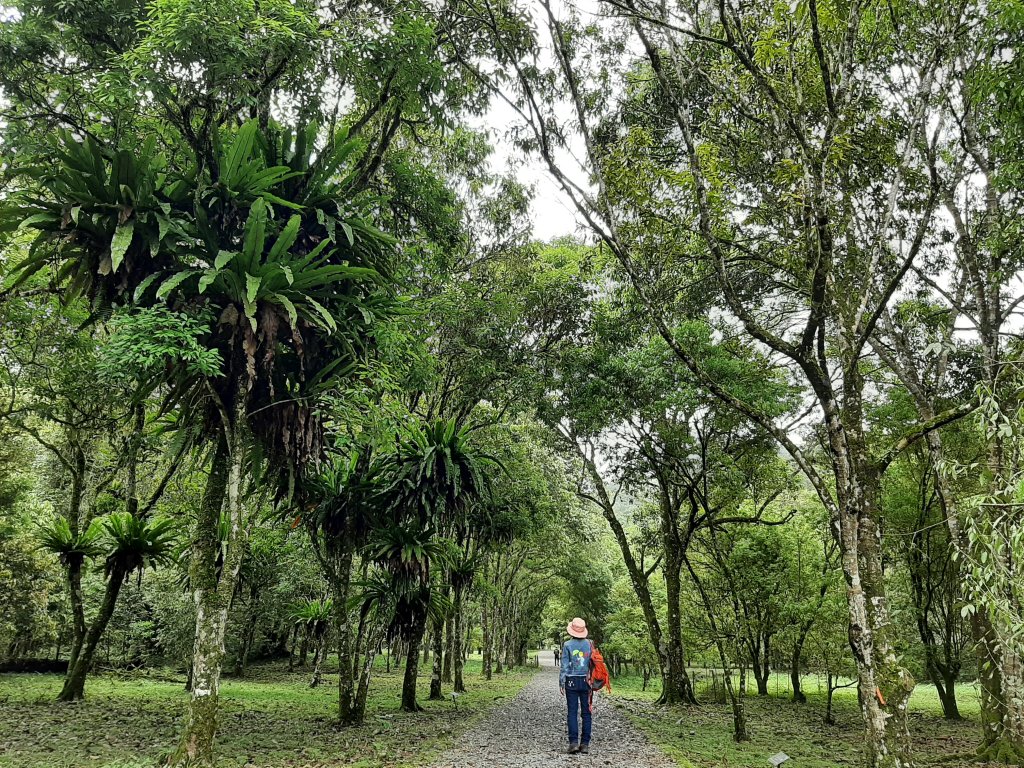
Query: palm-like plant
point(434, 476)
point(138, 543)
point(314, 617)
point(70, 546)
point(270, 248)
point(134, 544)
point(437, 473)
point(408, 553)
point(338, 506)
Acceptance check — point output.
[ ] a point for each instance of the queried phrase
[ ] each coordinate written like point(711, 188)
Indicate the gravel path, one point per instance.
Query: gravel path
point(529, 732)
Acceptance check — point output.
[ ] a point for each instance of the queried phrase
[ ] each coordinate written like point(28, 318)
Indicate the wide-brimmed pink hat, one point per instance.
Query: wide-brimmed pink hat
point(577, 628)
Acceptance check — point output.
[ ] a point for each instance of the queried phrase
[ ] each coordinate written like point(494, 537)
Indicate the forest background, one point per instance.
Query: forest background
point(293, 391)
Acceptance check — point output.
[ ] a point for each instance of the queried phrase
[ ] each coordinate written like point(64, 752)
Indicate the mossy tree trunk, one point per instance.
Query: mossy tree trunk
point(74, 681)
point(459, 659)
point(450, 645)
point(319, 651)
point(341, 583)
point(213, 584)
point(437, 639)
point(412, 663)
point(677, 687)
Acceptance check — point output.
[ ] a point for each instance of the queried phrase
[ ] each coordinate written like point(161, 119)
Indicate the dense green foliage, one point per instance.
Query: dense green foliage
point(289, 381)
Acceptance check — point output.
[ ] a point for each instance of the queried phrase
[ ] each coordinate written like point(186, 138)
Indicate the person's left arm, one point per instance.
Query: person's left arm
point(563, 668)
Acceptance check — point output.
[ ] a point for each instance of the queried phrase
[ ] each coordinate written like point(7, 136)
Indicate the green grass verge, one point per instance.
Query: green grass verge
point(702, 737)
point(270, 719)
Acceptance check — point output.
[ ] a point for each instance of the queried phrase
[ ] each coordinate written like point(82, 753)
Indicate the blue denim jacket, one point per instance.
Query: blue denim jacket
point(575, 660)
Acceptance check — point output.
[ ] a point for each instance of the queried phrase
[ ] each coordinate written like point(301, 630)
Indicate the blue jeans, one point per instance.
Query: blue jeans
point(579, 702)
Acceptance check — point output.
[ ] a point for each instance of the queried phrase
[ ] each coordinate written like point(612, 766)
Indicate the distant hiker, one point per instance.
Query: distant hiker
point(582, 672)
point(557, 655)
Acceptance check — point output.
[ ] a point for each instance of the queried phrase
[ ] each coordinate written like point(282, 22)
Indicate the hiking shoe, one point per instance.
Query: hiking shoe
point(574, 748)
point(585, 749)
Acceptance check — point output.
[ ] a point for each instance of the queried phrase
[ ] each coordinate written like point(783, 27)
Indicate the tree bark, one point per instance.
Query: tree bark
point(450, 644)
point(677, 688)
point(435, 673)
point(341, 552)
point(459, 660)
point(78, 628)
point(759, 665)
point(412, 661)
point(794, 671)
point(319, 651)
point(74, 682)
point(485, 626)
point(212, 595)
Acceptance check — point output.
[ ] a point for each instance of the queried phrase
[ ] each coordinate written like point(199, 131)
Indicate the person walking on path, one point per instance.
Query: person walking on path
point(574, 682)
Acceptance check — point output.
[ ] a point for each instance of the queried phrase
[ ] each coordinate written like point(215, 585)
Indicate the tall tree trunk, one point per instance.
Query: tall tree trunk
point(348, 664)
point(412, 660)
point(805, 630)
point(794, 671)
point(338, 559)
point(945, 686)
point(884, 684)
point(74, 681)
point(759, 665)
point(367, 644)
point(435, 673)
point(78, 628)
point(638, 578)
point(320, 650)
point(450, 644)
point(739, 719)
point(485, 626)
point(459, 660)
point(212, 593)
point(677, 688)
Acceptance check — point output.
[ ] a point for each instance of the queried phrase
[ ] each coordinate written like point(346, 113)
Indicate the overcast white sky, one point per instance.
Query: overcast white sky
point(553, 215)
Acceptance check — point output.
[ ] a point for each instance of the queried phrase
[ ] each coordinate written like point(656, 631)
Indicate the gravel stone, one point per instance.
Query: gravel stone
point(529, 731)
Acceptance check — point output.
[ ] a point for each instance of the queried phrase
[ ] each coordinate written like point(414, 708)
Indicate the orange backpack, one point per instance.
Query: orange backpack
point(599, 677)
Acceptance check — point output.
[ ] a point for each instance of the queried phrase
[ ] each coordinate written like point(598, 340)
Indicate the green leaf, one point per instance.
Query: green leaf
point(322, 311)
point(280, 201)
point(287, 238)
point(255, 232)
point(208, 277)
point(140, 289)
point(293, 316)
point(163, 224)
point(252, 287)
point(348, 234)
point(120, 243)
point(250, 312)
point(173, 282)
point(39, 218)
point(240, 152)
point(223, 258)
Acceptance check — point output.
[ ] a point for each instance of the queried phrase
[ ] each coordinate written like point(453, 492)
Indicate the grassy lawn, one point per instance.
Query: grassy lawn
point(271, 719)
point(701, 737)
